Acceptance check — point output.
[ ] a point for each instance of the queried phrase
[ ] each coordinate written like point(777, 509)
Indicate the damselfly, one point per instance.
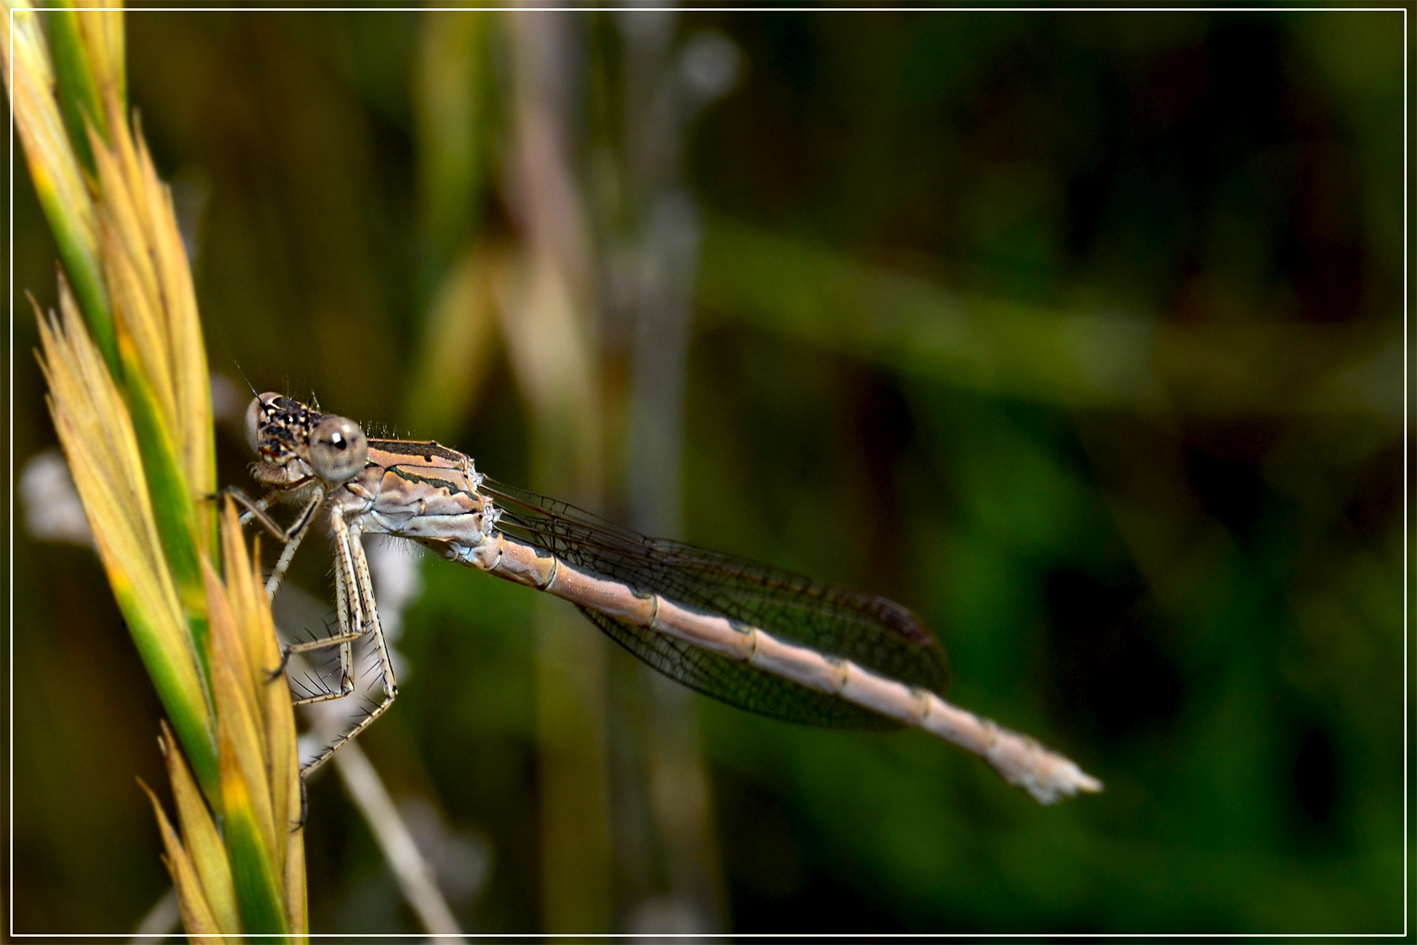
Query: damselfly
point(751, 635)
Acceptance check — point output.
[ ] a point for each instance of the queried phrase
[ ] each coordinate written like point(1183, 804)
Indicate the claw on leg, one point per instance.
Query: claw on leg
point(279, 671)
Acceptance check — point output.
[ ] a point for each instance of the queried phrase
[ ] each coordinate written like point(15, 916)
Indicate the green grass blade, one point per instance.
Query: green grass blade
point(77, 86)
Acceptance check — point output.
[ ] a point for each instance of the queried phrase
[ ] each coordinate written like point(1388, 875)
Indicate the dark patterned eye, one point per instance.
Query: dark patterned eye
point(255, 414)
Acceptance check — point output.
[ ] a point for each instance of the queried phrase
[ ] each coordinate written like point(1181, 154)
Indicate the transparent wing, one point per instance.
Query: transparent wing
point(873, 632)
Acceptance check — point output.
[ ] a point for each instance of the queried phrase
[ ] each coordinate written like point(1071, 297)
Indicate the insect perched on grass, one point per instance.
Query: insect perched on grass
point(751, 635)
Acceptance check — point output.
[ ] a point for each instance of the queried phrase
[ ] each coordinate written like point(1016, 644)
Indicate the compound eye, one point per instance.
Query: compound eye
point(254, 415)
point(338, 449)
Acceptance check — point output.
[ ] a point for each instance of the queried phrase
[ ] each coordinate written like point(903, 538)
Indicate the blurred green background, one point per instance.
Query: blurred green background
point(1078, 333)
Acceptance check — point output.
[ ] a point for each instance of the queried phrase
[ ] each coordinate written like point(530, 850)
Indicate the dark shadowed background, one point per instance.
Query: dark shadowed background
point(1080, 334)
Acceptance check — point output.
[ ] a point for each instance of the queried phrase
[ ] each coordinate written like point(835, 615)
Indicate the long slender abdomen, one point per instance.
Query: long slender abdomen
point(1021, 760)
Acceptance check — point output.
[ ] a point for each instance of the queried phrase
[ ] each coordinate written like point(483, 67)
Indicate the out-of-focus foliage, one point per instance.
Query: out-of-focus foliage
point(1080, 334)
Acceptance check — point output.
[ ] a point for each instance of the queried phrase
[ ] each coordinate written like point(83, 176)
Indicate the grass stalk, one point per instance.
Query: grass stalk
point(129, 394)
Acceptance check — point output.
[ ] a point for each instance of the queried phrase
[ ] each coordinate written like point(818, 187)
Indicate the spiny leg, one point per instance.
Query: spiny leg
point(366, 590)
point(348, 632)
point(291, 537)
point(346, 738)
point(256, 510)
point(363, 594)
point(351, 611)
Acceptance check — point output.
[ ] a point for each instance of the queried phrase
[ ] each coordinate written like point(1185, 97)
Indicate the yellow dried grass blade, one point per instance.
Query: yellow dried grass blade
point(238, 723)
point(252, 631)
point(99, 441)
point(134, 310)
point(284, 763)
point(204, 843)
point(101, 444)
point(258, 887)
point(78, 92)
point(296, 907)
point(197, 916)
point(55, 169)
point(128, 214)
point(192, 382)
point(80, 384)
point(252, 613)
point(128, 267)
point(247, 595)
point(172, 499)
point(253, 619)
point(102, 35)
point(154, 303)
